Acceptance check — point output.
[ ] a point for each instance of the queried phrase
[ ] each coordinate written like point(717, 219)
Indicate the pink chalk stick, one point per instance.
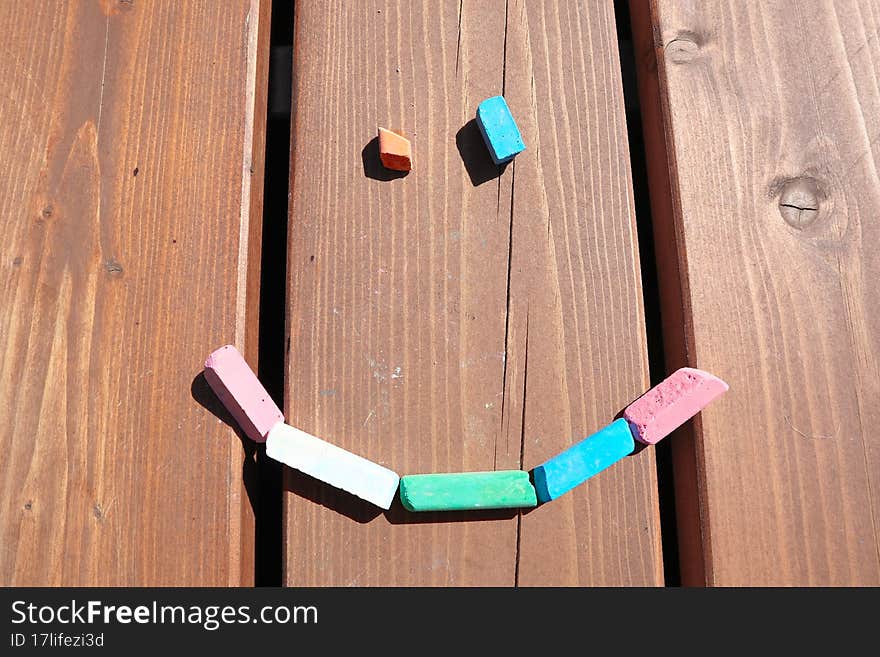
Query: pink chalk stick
point(671, 403)
point(241, 392)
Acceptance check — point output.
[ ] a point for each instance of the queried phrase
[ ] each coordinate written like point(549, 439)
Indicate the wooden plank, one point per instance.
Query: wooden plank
point(762, 124)
point(578, 291)
point(131, 145)
point(455, 320)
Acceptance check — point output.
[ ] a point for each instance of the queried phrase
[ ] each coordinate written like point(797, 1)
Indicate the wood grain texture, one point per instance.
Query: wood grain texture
point(131, 147)
point(763, 160)
point(457, 319)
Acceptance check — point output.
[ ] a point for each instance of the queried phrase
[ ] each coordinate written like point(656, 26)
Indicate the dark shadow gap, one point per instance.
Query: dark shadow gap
point(650, 285)
point(273, 283)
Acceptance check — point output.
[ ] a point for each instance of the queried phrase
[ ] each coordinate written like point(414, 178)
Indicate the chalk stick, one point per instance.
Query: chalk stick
point(238, 388)
point(395, 151)
point(499, 130)
point(332, 465)
point(671, 403)
point(583, 460)
point(463, 491)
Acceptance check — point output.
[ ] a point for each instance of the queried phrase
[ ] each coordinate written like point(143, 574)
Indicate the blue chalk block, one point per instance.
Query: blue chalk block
point(499, 130)
point(583, 460)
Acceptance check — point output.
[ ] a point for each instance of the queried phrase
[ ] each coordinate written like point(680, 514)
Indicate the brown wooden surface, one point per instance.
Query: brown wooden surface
point(131, 150)
point(746, 104)
point(436, 324)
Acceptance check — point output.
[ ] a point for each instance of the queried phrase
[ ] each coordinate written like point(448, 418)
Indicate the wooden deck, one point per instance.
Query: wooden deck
point(457, 318)
point(131, 146)
point(766, 203)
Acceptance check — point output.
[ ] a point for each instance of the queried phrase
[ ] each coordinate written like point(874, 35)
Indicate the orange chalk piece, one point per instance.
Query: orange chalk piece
point(395, 150)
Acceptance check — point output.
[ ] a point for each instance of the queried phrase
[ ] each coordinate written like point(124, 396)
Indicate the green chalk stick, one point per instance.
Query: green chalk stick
point(463, 491)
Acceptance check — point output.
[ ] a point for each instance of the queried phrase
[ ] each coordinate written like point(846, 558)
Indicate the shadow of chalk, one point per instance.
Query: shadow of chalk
point(398, 515)
point(475, 155)
point(373, 167)
point(201, 392)
point(329, 497)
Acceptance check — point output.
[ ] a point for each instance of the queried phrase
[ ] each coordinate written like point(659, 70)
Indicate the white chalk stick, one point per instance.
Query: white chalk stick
point(332, 465)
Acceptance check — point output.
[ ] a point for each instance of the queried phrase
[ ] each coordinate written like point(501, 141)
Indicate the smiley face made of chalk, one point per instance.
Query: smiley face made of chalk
point(648, 419)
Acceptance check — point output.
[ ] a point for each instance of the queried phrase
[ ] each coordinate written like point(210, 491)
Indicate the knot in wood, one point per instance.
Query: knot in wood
point(799, 202)
point(682, 49)
point(113, 268)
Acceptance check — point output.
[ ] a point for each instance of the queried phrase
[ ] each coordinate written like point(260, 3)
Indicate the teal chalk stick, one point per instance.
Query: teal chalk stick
point(464, 491)
point(499, 130)
point(583, 460)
